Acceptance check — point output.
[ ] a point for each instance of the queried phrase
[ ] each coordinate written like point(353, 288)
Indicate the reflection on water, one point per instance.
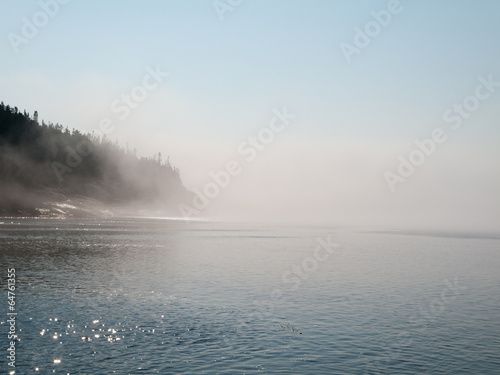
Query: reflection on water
point(136, 296)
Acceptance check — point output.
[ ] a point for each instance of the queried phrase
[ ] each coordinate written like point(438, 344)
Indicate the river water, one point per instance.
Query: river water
point(157, 296)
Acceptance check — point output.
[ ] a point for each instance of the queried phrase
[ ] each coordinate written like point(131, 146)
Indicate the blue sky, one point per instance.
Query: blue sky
point(273, 52)
point(227, 75)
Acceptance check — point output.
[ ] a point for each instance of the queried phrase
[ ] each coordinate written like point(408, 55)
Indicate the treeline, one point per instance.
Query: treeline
point(41, 161)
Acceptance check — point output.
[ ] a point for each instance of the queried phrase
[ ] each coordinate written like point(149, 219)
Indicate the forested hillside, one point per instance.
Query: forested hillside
point(46, 169)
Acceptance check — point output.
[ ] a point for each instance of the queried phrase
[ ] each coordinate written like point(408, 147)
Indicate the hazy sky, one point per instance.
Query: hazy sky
point(232, 63)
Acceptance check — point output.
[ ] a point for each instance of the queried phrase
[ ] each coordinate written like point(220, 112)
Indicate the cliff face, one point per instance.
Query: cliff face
point(48, 170)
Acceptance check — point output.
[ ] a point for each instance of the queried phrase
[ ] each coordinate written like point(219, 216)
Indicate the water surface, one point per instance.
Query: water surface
point(153, 296)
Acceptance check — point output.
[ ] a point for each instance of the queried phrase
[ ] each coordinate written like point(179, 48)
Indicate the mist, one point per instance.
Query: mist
point(239, 187)
point(46, 170)
point(341, 182)
point(355, 117)
point(290, 178)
